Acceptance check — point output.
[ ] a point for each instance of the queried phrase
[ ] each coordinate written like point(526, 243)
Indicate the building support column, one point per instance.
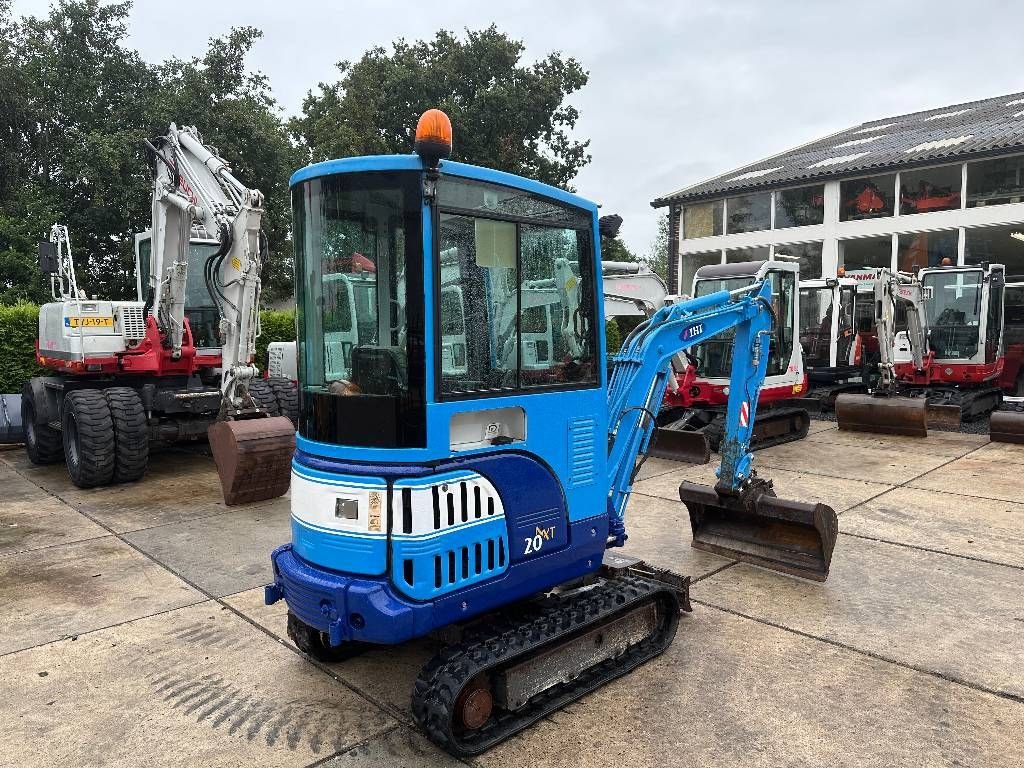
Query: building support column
point(674, 212)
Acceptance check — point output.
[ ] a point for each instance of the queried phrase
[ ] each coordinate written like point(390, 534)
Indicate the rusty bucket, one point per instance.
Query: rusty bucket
point(884, 415)
point(786, 536)
point(1007, 426)
point(253, 457)
point(688, 446)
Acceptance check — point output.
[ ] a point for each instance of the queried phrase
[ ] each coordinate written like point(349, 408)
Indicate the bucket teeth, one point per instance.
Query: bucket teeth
point(787, 536)
point(253, 457)
point(687, 446)
point(884, 415)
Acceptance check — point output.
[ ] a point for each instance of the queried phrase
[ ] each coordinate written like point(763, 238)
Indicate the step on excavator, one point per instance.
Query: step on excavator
point(476, 498)
point(693, 415)
point(945, 367)
point(176, 364)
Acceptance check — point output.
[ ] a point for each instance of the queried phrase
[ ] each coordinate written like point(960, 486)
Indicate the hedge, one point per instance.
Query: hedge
point(19, 324)
point(18, 327)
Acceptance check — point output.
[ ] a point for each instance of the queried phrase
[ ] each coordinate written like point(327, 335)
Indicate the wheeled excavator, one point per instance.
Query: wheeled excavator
point(479, 502)
point(124, 374)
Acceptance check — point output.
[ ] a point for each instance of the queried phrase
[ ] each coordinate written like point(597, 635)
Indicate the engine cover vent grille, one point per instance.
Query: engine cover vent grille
point(133, 322)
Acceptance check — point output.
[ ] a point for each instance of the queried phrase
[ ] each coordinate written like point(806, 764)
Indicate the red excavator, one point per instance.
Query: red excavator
point(692, 417)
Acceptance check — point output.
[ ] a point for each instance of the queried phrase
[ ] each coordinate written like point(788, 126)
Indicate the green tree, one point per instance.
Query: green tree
point(236, 112)
point(76, 104)
point(506, 114)
point(657, 257)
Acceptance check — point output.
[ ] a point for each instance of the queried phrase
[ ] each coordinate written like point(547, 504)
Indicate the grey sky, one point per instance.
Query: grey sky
point(677, 92)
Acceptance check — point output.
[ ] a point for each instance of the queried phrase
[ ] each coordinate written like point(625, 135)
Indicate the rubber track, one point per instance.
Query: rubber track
point(95, 431)
point(503, 642)
point(715, 430)
point(131, 435)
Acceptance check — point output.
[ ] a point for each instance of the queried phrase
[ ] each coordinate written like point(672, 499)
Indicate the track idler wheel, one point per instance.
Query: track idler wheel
point(884, 415)
point(253, 457)
point(757, 527)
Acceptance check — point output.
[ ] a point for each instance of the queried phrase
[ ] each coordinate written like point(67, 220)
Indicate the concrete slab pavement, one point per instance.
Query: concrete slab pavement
point(195, 686)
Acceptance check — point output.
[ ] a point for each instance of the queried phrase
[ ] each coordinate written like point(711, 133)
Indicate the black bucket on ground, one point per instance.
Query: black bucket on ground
point(884, 415)
point(1007, 427)
point(11, 428)
point(687, 446)
point(759, 528)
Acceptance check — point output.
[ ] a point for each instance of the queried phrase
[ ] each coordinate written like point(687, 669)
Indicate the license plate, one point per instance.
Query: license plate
point(89, 322)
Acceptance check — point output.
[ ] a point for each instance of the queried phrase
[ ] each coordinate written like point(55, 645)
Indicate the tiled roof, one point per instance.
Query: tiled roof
point(948, 133)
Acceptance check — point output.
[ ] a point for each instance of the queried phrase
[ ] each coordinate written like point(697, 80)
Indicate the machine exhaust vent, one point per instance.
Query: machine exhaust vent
point(133, 322)
point(582, 442)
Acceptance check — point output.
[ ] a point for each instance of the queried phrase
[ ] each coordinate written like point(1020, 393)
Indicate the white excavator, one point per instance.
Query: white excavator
point(125, 374)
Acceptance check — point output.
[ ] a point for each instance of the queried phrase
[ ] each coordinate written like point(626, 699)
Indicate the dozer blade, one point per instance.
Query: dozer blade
point(253, 457)
point(787, 536)
point(944, 416)
point(681, 445)
point(1007, 427)
point(885, 415)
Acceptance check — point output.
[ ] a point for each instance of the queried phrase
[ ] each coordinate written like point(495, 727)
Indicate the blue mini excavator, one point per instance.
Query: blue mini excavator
point(464, 458)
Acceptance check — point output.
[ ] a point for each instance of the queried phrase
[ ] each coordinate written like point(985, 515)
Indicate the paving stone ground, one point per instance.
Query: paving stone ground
point(135, 631)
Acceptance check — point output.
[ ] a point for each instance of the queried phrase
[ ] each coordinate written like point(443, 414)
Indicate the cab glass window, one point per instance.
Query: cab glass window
point(516, 305)
point(358, 250)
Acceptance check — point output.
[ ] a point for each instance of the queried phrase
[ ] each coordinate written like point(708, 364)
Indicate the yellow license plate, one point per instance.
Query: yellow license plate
point(89, 322)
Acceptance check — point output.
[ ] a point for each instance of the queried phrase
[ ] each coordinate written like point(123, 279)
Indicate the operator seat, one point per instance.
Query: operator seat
point(376, 371)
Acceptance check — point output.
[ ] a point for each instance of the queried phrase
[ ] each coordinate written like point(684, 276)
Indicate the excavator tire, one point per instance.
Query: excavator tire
point(263, 394)
point(88, 431)
point(287, 396)
point(42, 442)
point(131, 434)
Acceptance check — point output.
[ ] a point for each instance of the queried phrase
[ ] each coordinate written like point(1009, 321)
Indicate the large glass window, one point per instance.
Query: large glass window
point(926, 249)
point(691, 262)
point(754, 253)
point(865, 253)
point(866, 198)
point(930, 189)
point(358, 249)
point(990, 182)
point(954, 312)
point(1014, 314)
point(995, 245)
point(749, 213)
point(808, 255)
point(702, 219)
point(517, 303)
point(800, 207)
point(816, 309)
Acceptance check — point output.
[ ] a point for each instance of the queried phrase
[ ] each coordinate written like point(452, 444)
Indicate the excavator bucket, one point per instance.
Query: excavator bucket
point(1007, 426)
point(885, 415)
point(688, 446)
point(253, 457)
point(787, 536)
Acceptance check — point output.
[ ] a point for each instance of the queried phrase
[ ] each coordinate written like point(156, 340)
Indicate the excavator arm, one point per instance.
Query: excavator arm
point(891, 289)
point(740, 517)
point(196, 195)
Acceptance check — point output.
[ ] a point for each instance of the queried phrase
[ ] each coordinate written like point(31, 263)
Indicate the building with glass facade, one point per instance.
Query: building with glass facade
point(903, 192)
